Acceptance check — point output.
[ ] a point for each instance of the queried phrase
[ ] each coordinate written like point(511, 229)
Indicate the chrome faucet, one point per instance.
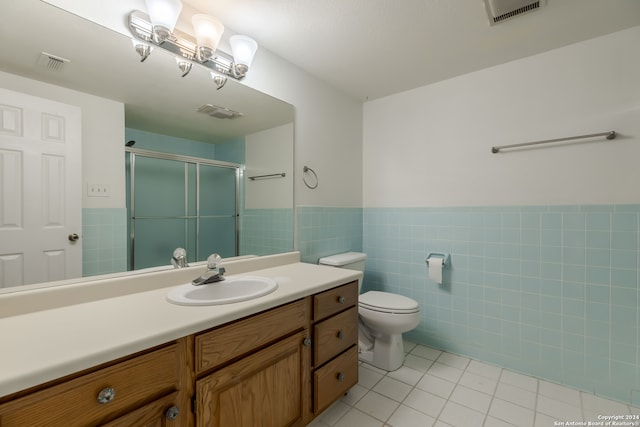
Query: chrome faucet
point(179, 258)
point(213, 274)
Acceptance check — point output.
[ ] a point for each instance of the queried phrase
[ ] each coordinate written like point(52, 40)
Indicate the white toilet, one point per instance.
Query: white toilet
point(384, 317)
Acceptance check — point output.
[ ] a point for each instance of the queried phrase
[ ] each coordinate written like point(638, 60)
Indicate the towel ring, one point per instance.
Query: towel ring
point(304, 179)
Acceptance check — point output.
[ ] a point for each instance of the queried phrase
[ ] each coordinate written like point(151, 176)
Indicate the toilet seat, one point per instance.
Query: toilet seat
point(386, 302)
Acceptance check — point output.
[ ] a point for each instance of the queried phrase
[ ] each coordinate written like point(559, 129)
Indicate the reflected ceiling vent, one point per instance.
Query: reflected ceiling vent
point(219, 112)
point(52, 62)
point(501, 10)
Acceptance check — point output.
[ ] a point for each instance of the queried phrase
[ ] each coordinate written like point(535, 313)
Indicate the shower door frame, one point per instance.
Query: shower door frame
point(133, 152)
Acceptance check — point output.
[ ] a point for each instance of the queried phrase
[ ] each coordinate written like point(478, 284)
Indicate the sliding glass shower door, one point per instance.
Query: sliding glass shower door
point(177, 201)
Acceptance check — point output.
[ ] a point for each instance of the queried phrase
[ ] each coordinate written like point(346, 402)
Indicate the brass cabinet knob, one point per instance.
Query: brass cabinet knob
point(342, 300)
point(340, 376)
point(106, 395)
point(306, 342)
point(172, 413)
point(340, 335)
point(73, 237)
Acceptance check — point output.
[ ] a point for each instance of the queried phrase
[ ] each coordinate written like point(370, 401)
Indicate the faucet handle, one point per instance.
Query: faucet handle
point(179, 258)
point(213, 261)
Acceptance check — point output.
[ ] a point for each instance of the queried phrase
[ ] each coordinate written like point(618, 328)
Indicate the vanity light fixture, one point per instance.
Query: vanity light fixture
point(184, 66)
point(219, 80)
point(208, 33)
point(143, 49)
point(243, 49)
point(156, 30)
point(163, 15)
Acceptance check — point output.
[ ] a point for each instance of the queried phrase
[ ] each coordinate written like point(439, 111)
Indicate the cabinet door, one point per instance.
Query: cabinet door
point(264, 389)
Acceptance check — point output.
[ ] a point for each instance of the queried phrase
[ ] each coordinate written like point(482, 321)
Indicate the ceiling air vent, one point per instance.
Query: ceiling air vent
point(219, 112)
point(501, 10)
point(52, 62)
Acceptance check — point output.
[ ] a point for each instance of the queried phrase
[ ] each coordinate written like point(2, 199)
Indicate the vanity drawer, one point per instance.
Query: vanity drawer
point(334, 379)
point(335, 300)
point(334, 335)
point(155, 414)
point(123, 387)
point(220, 345)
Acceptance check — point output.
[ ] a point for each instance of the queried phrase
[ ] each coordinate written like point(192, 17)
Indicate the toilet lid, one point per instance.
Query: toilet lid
point(387, 302)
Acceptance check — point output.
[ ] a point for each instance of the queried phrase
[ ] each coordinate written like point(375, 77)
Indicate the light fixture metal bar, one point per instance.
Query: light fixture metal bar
point(181, 45)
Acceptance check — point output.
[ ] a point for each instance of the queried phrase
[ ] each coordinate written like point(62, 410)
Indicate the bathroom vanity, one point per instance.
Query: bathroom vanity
point(278, 360)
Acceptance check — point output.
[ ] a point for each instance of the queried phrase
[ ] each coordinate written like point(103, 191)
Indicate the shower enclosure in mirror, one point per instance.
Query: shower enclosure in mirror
point(178, 201)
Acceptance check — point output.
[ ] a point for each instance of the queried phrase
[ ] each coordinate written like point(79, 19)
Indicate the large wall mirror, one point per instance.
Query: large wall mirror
point(51, 54)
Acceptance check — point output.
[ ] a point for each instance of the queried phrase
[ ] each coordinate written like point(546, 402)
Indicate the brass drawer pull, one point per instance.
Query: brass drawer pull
point(106, 395)
point(340, 377)
point(172, 413)
point(342, 300)
point(306, 342)
point(340, 335)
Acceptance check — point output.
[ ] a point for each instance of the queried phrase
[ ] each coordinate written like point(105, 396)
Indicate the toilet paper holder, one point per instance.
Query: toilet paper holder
point(446, 258)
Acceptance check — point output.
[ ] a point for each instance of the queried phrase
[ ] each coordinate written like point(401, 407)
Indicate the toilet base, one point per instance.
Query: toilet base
point(387, 352)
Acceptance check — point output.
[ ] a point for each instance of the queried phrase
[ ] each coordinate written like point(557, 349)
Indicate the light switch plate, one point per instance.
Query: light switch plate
point(98, 190)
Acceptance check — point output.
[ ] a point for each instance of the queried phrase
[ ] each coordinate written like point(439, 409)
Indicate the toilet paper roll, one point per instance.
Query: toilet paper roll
point(435, 269)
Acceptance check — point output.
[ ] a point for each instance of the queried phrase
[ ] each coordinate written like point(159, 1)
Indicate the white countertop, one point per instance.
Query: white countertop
point(48, 343)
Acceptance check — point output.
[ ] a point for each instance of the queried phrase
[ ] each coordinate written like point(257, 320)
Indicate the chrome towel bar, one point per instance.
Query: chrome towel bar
point(609, 135)
point(271, 175)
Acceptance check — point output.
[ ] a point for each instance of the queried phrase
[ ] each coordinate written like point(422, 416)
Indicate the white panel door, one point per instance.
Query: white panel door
point(40, 190)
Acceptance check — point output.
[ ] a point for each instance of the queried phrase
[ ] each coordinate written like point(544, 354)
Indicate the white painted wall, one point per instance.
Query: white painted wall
point(328, 131)
point(102, 136)
point(431, 146)
point(269, 152)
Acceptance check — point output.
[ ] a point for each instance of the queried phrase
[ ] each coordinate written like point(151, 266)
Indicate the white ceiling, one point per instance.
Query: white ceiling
point(365, 48)
point(373, 48)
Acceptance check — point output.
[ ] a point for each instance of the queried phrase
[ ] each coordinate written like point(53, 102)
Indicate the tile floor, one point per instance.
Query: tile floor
point(440, 389)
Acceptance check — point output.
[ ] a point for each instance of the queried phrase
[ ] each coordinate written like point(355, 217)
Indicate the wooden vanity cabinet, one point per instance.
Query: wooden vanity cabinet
point(277, 368)
point(255, 371)
point(306, 359)
point(263, 389)
point(149, 386)
point(335, 339)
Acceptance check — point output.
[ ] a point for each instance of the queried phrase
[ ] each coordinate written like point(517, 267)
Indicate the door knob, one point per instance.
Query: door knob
point(73, 237)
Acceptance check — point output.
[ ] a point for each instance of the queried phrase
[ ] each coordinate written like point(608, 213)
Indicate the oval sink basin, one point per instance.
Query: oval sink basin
point(230, 290)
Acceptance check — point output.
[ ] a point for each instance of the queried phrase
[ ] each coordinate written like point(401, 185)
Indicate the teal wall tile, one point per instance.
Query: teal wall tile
point(324, 231)
point(104, 234)
point(547, 290)
point(266, 231)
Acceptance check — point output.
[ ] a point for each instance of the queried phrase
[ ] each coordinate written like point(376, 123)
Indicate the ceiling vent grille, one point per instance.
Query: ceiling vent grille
point(501, 10)
point(219, 112)
point(52, 62)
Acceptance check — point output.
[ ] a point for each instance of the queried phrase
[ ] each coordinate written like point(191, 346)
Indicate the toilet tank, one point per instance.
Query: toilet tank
point(348, 260)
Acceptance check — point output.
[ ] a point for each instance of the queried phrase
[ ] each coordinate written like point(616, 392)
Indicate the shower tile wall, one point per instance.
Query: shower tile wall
point(104, 241)
point(326, 231)
point(550, 291)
